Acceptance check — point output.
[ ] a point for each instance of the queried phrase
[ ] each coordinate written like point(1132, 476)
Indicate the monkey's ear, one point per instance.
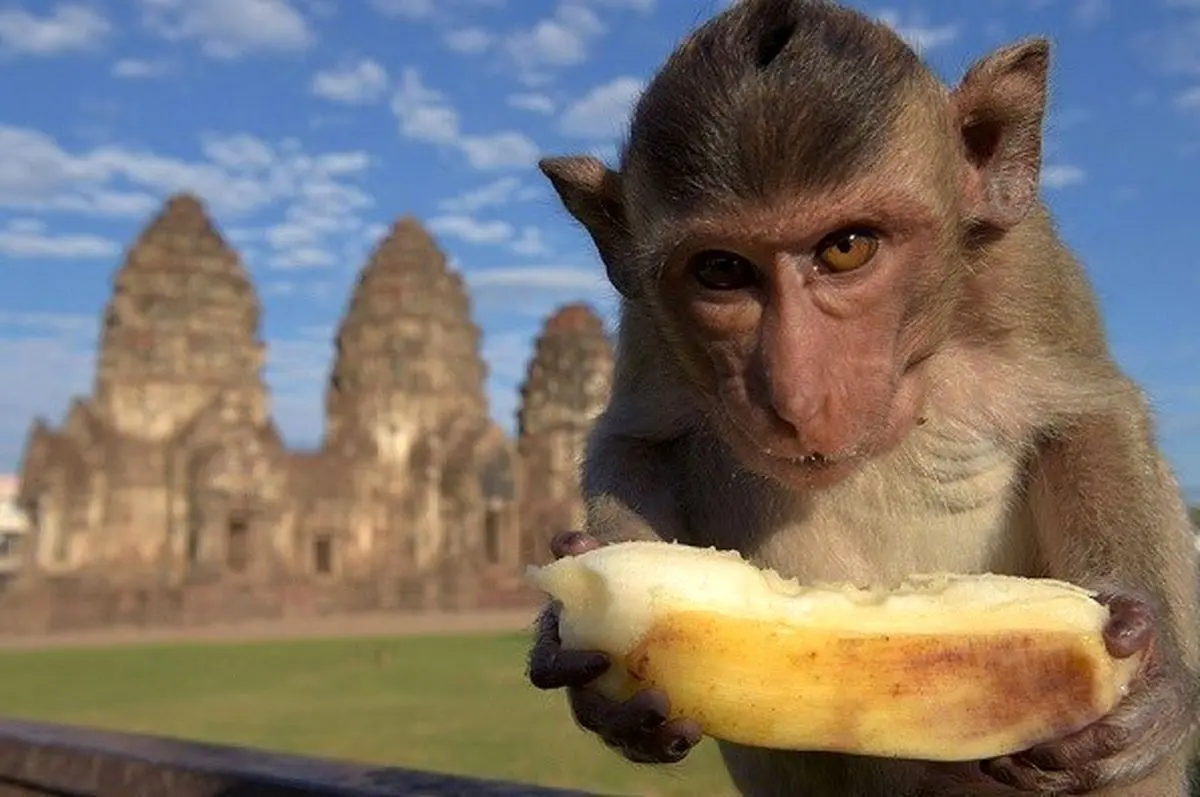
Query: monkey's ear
point(1000, 106)
point(591, 192)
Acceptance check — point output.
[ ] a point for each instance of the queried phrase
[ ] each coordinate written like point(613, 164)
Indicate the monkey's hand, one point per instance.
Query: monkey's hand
point(637, 728)
point(1127, 745)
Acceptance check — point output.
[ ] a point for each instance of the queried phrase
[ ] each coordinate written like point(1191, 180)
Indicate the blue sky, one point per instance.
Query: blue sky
point(309, 125)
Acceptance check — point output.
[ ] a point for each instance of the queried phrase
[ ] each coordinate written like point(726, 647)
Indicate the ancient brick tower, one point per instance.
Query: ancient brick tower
point(408, 353)
point(566, 387)
point(406, 395)
point(183, 322)
point(173, 467)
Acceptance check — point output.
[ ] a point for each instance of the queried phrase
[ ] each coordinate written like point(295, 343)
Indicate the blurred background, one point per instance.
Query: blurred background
point(300, 350)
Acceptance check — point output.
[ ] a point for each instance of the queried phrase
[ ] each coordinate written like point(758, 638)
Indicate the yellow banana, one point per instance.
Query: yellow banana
point(943, 667)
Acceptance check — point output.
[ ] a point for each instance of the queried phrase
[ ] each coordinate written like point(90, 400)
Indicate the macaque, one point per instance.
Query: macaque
point(853, 347)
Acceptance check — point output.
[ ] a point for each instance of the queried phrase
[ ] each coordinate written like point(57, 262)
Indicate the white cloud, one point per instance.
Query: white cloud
point(67, 28)
point(506, 150)
point(361, 82)
point(920, 37)
point(603, 112)
point(471, 230)
point(302, 257)
point(1062, 175)
point(424, 114)
point(540, 278)
point(29, 239)
point(139, 68)
point(530, 243)
point(229, 29)
point(532, 102)
point(533, 292)
point(468, 41)
point(558, 41)
point(319, 193)
point(427, 115)
point(1189, 99)
point(526, 241)
point(501, 191)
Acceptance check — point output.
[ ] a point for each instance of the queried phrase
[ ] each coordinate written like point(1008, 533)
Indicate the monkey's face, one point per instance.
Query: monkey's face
point(805, 327)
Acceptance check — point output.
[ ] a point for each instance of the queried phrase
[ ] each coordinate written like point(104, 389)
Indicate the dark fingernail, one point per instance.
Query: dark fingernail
point(678, 747)
point(1129, 627)
point(572, 543)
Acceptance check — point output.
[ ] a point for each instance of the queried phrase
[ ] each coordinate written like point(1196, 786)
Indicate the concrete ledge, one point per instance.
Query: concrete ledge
point(66, 761)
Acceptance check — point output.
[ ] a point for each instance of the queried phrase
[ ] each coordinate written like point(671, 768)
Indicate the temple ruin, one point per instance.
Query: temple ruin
point(566, 387)
point(169, 496)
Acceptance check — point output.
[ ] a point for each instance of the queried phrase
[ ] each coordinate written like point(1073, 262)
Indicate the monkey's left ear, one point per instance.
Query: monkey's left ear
point(591, 192)
point(999, 108)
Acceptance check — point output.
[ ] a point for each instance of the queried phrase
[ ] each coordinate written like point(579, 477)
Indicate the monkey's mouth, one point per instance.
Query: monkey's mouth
point(815, 459)
point(820, 461)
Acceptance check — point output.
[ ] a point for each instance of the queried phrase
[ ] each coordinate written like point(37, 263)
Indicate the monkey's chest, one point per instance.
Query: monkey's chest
point(947, 506)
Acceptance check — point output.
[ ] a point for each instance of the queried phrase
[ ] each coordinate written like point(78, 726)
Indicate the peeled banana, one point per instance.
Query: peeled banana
point(943, 667)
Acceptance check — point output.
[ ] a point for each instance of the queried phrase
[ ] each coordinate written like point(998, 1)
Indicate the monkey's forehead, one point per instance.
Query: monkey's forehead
point(772, 95)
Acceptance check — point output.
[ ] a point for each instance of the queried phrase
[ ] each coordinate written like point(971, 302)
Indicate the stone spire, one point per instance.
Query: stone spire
point(408, 351)
point(566, 387)
point(570, 375)
point(182, 325)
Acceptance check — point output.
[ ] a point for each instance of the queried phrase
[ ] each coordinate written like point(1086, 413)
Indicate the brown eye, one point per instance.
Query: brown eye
point(723, 271)
point(848, 250)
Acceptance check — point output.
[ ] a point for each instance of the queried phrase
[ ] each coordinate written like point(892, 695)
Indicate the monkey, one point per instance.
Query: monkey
point(853, 346)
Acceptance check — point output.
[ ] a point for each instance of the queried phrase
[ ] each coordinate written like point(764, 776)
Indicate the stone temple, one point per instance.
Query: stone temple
point(168, 495)
point(565, 389)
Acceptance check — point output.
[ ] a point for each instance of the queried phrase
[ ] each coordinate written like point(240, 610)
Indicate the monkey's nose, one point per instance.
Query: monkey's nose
point(795, 413)
point(805, 430)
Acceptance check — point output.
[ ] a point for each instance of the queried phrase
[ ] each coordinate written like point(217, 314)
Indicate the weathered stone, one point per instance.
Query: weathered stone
point(169, 496)
point(566, 387)
point(174, 465)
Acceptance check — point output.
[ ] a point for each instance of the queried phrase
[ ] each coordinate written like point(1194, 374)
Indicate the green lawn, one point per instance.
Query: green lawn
point(455, 704)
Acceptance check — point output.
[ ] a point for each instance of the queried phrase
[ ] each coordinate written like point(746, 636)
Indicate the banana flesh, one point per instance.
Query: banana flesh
point(942, 667)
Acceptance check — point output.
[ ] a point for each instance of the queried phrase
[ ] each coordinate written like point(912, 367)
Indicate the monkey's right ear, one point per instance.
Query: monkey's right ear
point(999, 107)
point(591, 192)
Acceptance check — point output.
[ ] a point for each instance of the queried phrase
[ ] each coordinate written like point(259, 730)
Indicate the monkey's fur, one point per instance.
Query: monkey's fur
point(951, 404)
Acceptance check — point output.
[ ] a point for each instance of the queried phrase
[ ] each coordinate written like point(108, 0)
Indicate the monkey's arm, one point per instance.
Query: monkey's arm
point(1110, 517)
point(628, 484)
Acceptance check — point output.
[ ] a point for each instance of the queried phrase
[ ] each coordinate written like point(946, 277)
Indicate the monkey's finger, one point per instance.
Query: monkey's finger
point(592, 711)
point(636, 718)
point(1011, 771)
point(551, 667)
point(1096, 742)
point(1130, 626)
point(677, 738)
point(572, 543)
point(670, 743)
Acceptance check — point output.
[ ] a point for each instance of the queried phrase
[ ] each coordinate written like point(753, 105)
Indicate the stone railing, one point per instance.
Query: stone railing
point(42, 760)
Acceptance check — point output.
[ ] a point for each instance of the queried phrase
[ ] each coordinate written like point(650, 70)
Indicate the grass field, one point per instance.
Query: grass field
point(456, 704)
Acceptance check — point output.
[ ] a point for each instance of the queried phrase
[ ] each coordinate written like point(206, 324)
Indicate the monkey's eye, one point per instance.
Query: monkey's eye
point(847, 250)
point(723, 271)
